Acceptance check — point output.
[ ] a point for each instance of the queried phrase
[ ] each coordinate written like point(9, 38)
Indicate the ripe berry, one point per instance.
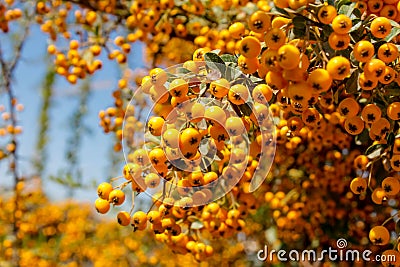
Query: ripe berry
point(158, 76)
point(131, 170)
point(380, 27)
point(116, 197)
point(393, 111)
point(338, 67)
point(216, 114)
point(288, 56)
point(234, 126)
point(391, 186)
point(259, 22)
point(123, 218)
point(262, 93)
point(358, 185)
point(190, 137)
point(238, 94)
point(155, 125)
point(326, 14)
point(103, 190)
point(275, 38)
point(249, 47)
point(139, 218)
point(178, 88)
point(170, 138)
point(379, 235)
point(219, 88)
point(102, 206)
point(341, 24)
point(320, 80)
point(237, 30)
point(152, 180)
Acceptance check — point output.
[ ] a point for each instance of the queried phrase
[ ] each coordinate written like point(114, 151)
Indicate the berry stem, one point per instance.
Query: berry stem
point(390, 218)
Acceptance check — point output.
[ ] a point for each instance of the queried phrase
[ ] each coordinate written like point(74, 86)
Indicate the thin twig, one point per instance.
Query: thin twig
point(7, 72)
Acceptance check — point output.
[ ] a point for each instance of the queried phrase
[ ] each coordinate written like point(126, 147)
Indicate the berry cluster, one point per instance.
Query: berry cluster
point(201, 142)
point(8, 14)
point(329, 74)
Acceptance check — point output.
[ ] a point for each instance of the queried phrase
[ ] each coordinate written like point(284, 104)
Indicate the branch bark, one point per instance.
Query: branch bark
point(7, 72)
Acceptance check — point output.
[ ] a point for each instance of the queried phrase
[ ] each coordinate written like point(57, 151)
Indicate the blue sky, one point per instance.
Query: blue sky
point(95, 149)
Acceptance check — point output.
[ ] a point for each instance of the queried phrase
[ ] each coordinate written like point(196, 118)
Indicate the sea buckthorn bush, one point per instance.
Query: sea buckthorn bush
point(325, 75)
point(279, 126)
point(68, 233)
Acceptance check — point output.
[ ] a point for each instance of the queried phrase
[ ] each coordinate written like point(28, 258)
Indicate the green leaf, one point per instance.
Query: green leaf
point(279, 11)
point(392, 91)
point(151, 138)
point(378, 44)
point(390, 139)
point(57, 179)
point(393, 33)
point(229, 74)
point(256, 79)
point(203, 89)
point(298, 33)
point(326, 31)
point(230, 71)
point(352, 83)
point(350, 9)
point(216, 51)
point(394, 23)
point(374, 150)
point(340, 3)
point(197, 225)
point(299, 22)
point(182, 70)
point(362, 138)
point(295, 174)
point(229, 58)
point(215, 62)
point(246, 108)
point(336, 96)
point(356, 25)
point(357, 13)
point(171, 77)
point(297, 11)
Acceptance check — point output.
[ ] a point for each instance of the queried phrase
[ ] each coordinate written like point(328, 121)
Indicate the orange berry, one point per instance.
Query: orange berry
point(326, 14)
point(288, 56)
point(155, 125)
point(259, 22)
point(238, 94)
point(123, 218)
point(103, 190)
point(249, 47)
point(358, 185)
point(379, 235)
point(116, 197)
point(338, 67)
point(380, 27)
point(102, 206)
point(341, 24)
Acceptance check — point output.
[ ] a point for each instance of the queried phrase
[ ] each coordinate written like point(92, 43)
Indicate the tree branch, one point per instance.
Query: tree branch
point(7, 71)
